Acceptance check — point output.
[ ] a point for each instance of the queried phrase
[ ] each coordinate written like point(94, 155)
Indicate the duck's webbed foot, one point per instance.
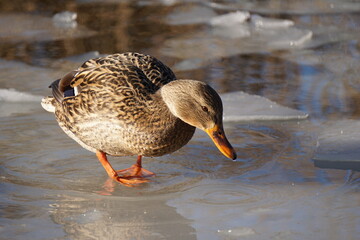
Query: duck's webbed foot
point(131, 176)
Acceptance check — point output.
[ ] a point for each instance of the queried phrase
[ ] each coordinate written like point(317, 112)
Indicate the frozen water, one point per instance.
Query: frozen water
point(65, 19)
point(240, 106)
point(272, 191)
point(222, 38)
point(81, 58)
point(12, 95)
point(27, 78)
point(224, 42)
point(193, 15)
point(338, 146)
point(233, 18)
point(26, 27)
point(258, 213)
point(291, 37)
point(189, 64)
point(295, 7)
point(232, 32)
point(263, 22)
point(14, 108)
point(15, 102)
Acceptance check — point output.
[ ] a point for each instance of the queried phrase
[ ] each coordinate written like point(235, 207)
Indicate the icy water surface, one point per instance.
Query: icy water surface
point(302, 55)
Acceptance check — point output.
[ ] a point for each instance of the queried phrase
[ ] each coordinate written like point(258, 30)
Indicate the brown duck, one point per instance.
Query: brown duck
point(132, 104)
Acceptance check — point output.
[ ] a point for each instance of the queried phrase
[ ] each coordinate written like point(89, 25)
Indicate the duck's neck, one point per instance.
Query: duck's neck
point(161, 109)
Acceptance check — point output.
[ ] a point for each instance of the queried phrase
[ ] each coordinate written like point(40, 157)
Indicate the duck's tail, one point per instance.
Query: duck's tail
point(48, 103)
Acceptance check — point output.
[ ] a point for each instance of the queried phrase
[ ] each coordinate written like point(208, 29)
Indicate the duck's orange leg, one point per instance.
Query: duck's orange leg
point(130, 176)
point(136, 170)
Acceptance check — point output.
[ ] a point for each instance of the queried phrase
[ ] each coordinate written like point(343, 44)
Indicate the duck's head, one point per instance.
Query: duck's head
point(199, 105)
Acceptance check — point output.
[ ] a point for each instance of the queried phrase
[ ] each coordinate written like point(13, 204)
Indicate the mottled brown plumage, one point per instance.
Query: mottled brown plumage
point(132, 104)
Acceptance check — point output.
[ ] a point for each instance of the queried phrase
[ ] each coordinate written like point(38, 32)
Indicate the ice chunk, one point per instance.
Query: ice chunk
point(237, 232)
point(228, 19)
point(263, 22)
point(31, 79)
point(219, 6)
point(14, 102)
point(338, 146)
point(193, 15)
point(292, 37)
point(11, 108)
point(232, 32)
point(26, 27)
point(223, 41)
point(291, 7)
point(189, 64)
point(65, 19)
point(12, 95)
point(240, 106)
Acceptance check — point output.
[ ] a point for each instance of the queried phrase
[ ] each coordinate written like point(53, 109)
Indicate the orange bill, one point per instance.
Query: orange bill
point(218, 136)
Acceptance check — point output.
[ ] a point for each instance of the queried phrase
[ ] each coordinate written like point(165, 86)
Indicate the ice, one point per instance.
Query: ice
point(228, 19)
point(190, 64)
point(240, 106)
point(81, 58)
point(219, 6)
point(12, 108)
point(291, 37)
point(338, 146)
point(287, 207)
point(26, 78)
point(237, 232)
point(262, 22)
point(296, 6)
point(12, 95)
point(15, 102)
point(65, 19)
point(222, 38)
point(229, 32)
point(193, 15)
point(26, 27)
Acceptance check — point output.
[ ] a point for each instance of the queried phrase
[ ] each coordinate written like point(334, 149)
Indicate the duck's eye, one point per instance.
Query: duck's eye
point(205, 109)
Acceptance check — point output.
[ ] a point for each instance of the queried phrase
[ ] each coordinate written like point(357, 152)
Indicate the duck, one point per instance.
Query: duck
point(131, 104)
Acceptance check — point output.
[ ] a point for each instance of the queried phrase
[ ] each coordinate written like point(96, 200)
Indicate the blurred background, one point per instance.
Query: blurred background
point(300, 54)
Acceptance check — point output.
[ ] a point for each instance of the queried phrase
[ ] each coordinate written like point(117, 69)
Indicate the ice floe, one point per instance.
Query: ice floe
point(240, 106)
point(338, 146)
point(65, 19)
point(27, 78)
point(27, 27)
point(296, 6)
point(229, 19)
point(263, 22)
point(236, 33)
point(12, 95)
point(291, 37)
point(193, 15)
point(231, 32)
point(15, 102)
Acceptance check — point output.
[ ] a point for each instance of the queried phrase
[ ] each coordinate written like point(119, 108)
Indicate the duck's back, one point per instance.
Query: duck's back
point(156, 74)
point(115, 108)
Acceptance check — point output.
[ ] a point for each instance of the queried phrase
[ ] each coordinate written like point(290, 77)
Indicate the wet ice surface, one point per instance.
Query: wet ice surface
point(20, 27)
point(338, 146)
point(240, 106)
point(51, 188)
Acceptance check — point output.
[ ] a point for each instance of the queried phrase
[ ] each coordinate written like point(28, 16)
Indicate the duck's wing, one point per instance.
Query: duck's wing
point(154, 70)
point(141, 73)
